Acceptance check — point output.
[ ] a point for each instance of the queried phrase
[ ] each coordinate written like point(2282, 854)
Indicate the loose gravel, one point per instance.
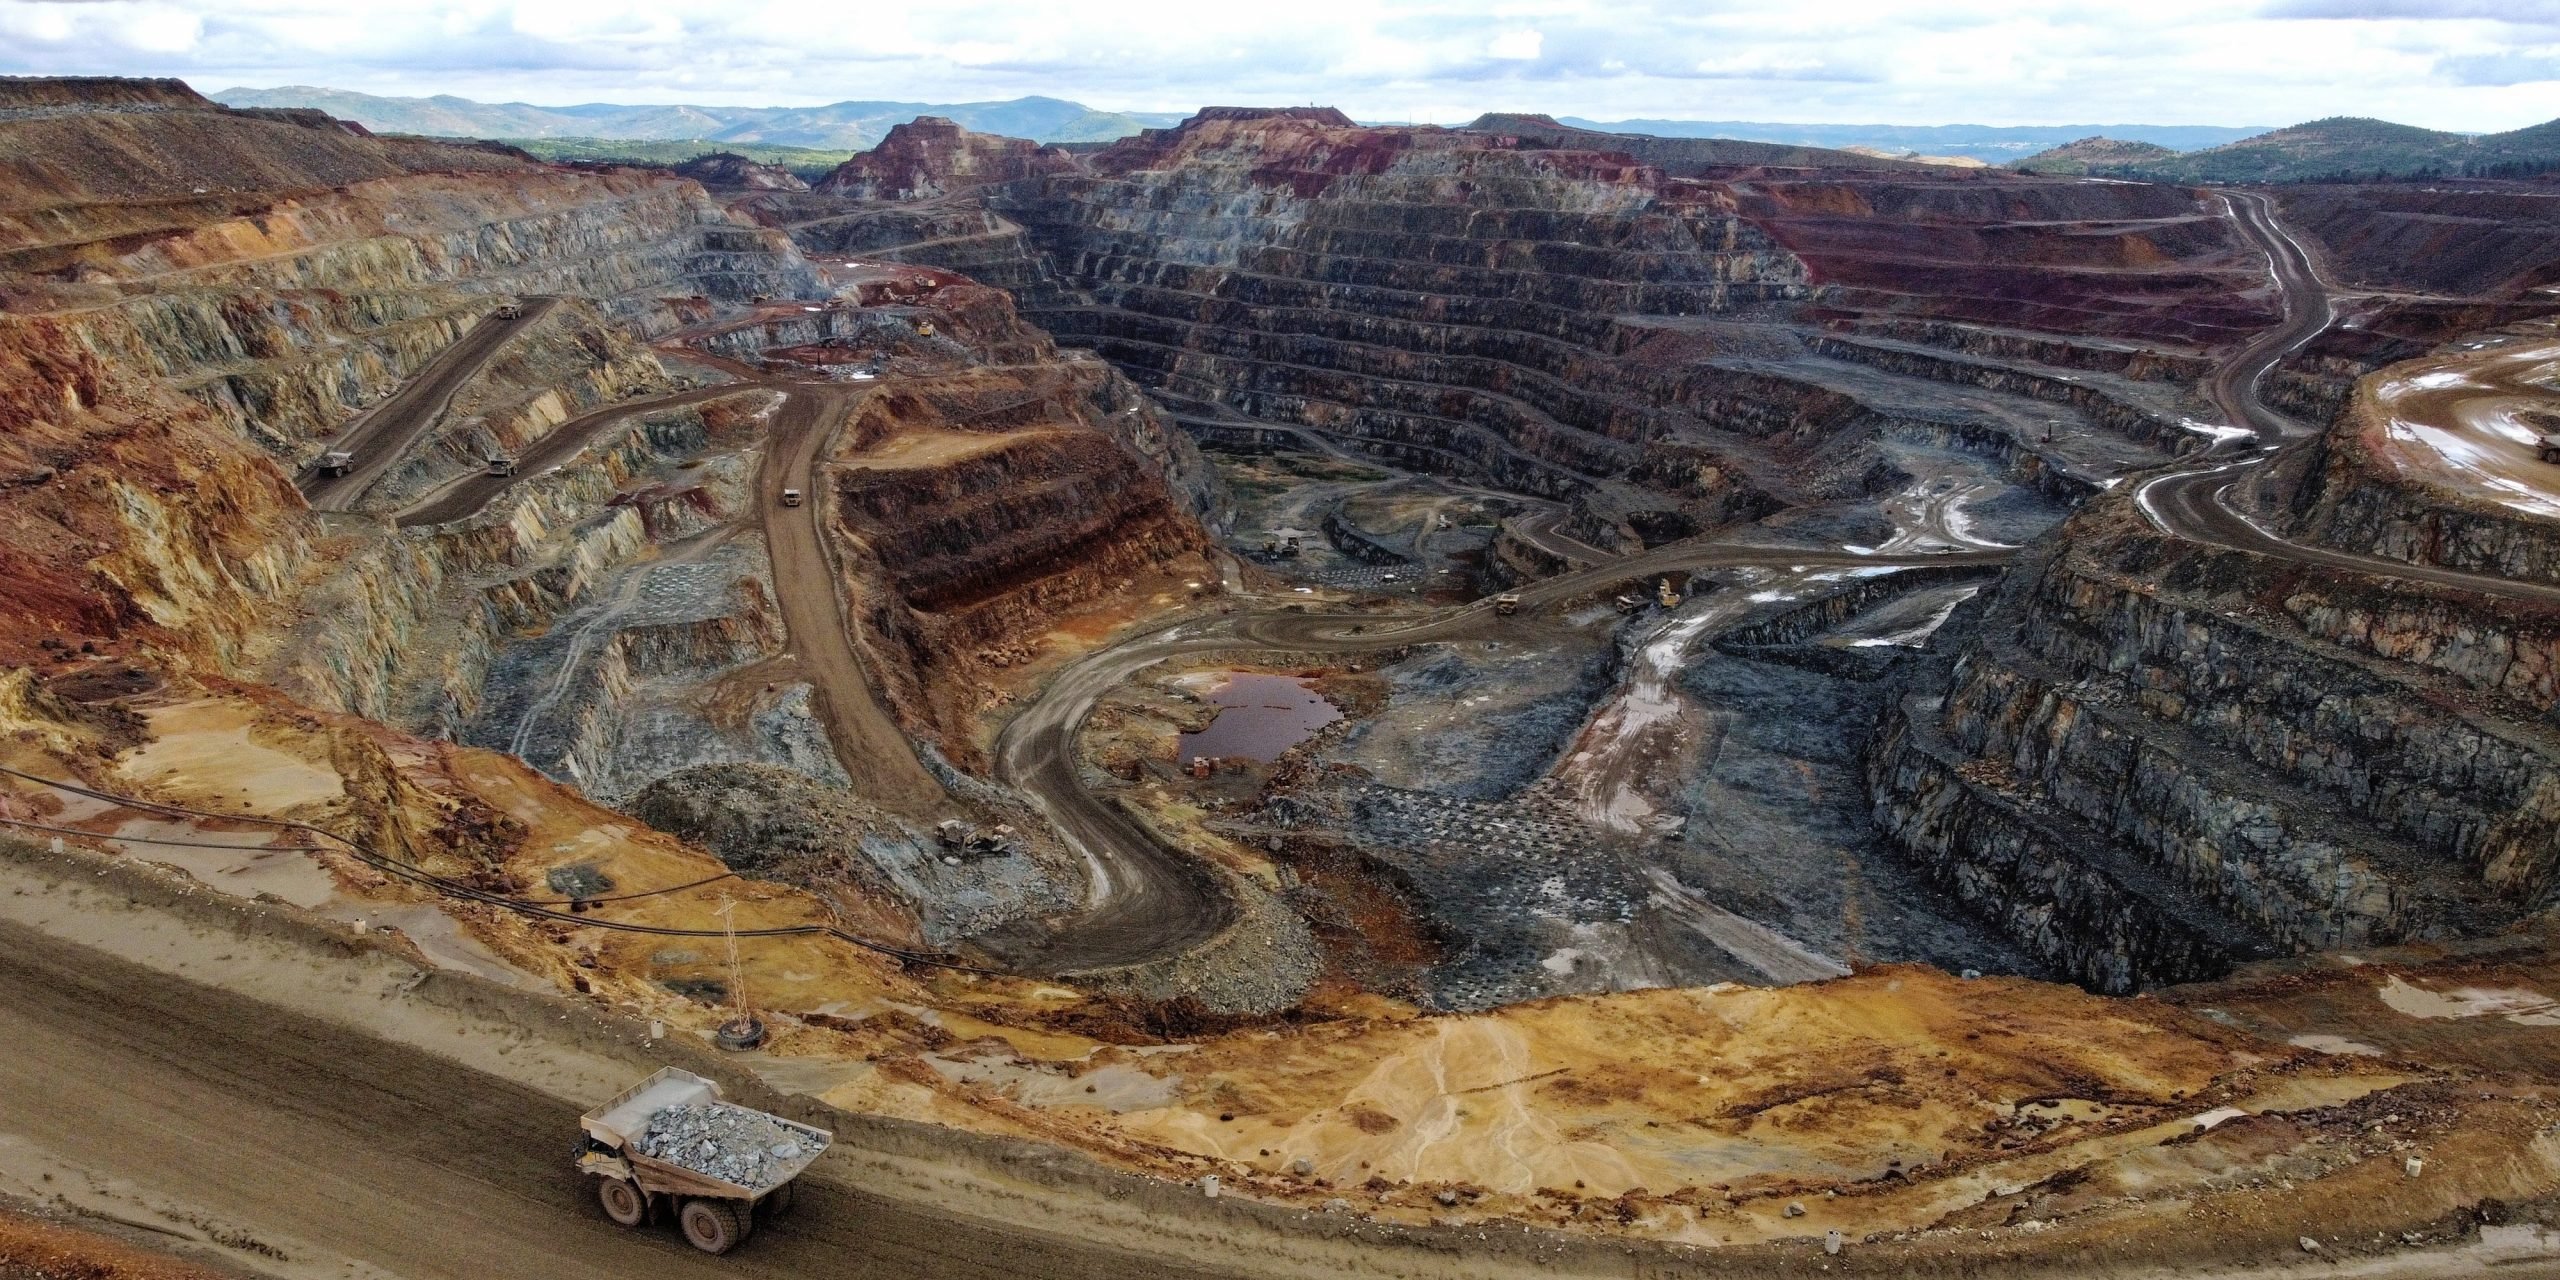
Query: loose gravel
point(730, 1143)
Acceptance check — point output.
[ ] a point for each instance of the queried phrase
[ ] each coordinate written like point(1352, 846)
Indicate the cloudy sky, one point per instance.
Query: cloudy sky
point(2453, 64)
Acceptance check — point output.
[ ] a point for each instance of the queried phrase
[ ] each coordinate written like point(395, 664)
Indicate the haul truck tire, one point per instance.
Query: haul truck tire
point(713, 1226)
point(778, 1201)
point(622, 1201)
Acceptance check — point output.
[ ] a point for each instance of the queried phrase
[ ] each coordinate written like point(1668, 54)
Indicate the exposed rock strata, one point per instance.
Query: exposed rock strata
point(930, 156)
point(1575, 324)
point(2160, 759)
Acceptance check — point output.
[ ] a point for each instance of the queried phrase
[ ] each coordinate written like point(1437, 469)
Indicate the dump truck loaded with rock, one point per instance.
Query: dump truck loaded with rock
point(670, 1147)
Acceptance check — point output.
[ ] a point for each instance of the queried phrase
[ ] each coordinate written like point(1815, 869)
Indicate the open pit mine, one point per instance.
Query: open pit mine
point(1274, 697)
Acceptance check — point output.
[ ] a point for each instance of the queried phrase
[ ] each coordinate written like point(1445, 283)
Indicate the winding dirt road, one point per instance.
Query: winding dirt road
point(2195, 503)
point(1150, 901)
point(875, 752)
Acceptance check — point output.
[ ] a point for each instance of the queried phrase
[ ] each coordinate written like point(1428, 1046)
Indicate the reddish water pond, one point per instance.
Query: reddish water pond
point(1259, 716)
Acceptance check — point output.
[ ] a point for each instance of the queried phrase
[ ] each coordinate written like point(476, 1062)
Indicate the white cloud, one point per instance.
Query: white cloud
point(2445, 63)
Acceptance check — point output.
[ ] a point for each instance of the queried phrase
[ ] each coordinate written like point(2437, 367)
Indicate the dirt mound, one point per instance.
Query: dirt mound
point(102, 93)
point(758, 818)
point(60, 155)
point(730, 170)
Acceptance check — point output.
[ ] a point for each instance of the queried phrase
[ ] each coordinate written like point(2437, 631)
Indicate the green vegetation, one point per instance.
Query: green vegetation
point(1318, 466)
point(2341, 148)
point(2096, 155)
point(807, 162)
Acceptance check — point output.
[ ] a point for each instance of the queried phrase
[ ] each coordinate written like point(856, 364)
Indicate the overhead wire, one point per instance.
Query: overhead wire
point(540, 909)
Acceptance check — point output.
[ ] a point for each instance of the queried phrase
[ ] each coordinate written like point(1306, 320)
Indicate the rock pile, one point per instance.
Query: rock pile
point(730, 1143)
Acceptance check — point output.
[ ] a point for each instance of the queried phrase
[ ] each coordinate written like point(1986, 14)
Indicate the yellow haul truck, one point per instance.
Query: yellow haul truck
point(668, 1147)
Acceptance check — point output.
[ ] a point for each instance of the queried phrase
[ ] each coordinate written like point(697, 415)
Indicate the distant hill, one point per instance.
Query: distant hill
point(808, 162)
point(1996, 144)
point(2088, 155)
point(840, 126)
point(1952, 162)
point(729, 169)
point(1678, 156)
point(2341, 147)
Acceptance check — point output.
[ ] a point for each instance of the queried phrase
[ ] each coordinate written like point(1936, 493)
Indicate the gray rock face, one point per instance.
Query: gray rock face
point(730, 1143)
point(755, 817)
point(2358, 503)
point(2158, 760)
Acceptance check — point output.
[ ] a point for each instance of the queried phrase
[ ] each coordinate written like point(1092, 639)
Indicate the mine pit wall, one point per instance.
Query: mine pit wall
point(286, 348)
point(508, 571)
point(1792, 628)
point(125, 514)
point(968, 238)
point(2025, 873)
point(982, 556)
point(1446, 304)
point(2158, 760)
point(602, 690)
point(573, 360)
point(1451, 312)
point(2142, 262)
point(2344, 495)
point(2133, 422)
point(270, 330)
point(2138, 363)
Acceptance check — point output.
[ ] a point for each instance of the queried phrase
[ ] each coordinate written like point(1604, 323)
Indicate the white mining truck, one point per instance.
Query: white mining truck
point(668, 1147)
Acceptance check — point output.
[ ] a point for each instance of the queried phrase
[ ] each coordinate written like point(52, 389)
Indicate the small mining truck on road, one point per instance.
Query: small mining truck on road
point(759, 1154)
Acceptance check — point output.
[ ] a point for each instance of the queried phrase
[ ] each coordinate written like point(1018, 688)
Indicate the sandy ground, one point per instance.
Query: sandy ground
point(232, 1116)
point(2471, 421)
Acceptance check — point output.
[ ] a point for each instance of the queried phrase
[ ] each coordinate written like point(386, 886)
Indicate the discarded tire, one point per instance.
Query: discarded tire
point(739, 1033)
point(713, 1226)
point(622, 1201)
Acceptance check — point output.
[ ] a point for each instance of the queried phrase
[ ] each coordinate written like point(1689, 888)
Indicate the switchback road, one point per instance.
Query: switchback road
point(379, 437)
point(2196, 503)
point(467, 496)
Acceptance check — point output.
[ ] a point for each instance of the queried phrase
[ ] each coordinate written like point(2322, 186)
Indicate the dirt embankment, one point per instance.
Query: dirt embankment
point(390, 1051)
